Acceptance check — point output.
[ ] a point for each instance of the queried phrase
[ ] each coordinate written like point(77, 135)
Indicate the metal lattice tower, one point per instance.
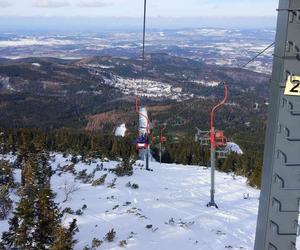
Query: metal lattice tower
point(278, 224)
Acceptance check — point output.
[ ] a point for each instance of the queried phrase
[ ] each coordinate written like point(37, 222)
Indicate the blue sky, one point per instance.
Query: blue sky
point(133, 8)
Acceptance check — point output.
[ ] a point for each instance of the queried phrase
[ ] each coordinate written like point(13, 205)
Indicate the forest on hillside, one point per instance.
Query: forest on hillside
point(88, 144)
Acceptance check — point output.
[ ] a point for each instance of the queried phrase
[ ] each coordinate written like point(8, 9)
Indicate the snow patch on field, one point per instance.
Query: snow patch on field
point(208, 83)
point(34, 42)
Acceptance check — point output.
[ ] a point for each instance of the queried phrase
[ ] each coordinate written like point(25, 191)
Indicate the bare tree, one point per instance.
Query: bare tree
point(69, 188)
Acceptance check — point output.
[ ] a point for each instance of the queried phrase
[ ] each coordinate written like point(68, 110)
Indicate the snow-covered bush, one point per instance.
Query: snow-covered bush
point(110, 236)
point(125, 168)
point(99, 181)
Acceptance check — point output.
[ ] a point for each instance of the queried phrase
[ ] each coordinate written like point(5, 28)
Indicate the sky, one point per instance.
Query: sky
point(134, 8)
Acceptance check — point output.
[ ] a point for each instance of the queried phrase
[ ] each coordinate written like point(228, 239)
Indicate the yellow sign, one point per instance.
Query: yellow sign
point(292, 86)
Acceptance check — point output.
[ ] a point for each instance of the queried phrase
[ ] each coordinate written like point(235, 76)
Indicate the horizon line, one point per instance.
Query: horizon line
point(133, 17)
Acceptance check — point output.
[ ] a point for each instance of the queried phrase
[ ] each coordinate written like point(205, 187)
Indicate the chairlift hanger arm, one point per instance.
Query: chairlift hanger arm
point(215, 108)
point(144, 28)
point(143, 63)
point(212, 114)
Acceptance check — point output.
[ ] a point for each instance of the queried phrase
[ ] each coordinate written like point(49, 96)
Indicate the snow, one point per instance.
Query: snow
point(146, 87)
point(121, 130)
point(36, 64)
point(204, 32)
point(34, 42)
point(208, 83)
point(233, 147)
point(172, 199)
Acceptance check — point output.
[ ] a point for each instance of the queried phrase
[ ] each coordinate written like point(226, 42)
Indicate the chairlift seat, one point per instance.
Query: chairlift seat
point(219, 134)
point(220, 139)
point(221, 154)
point(202, 137)
point(141, 142)
point(140, 146)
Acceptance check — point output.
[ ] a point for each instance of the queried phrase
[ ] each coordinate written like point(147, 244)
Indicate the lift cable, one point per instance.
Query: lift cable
point(252, 59)
point(144, 43)
point(144, 37)
point(143, 68)
point(260, 53)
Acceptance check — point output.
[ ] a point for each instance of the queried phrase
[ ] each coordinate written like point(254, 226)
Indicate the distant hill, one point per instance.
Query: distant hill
point(55, 93)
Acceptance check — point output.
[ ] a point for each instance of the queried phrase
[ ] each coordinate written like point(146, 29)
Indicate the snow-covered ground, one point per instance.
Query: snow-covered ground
point(170, 201)
point(29, 41)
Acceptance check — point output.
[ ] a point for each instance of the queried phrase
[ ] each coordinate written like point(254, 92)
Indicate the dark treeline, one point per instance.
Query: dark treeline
point(187, 151)
point(86, 144)
point(182, 151)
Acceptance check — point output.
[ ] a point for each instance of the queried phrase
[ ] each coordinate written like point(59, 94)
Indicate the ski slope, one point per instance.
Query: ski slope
point(171, 201)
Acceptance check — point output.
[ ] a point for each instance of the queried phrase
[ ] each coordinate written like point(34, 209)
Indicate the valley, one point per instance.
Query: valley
point(56, 93)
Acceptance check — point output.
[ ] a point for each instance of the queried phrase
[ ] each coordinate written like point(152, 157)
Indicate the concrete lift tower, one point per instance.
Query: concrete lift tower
point(278, 225)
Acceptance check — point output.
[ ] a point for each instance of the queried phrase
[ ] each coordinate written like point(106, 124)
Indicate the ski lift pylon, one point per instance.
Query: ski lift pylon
point(217, 141)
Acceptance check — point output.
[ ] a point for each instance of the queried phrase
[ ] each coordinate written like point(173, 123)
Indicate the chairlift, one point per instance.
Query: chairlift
point(142, 142)
point(202, 137)
point(221, 153)
point(220, 139)
point(163, 138)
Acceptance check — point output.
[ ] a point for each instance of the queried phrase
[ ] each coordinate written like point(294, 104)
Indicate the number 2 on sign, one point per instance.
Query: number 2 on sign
point(293, 86)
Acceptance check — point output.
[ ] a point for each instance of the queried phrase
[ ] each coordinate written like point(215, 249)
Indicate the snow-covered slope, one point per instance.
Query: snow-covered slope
point(167, 210)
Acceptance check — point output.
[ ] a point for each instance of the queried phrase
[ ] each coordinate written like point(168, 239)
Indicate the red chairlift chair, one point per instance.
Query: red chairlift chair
point(220, 139)
point(221, 143)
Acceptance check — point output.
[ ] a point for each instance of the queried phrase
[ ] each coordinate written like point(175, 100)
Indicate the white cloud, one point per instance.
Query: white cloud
point(5, 4)
point(94, 3)
point(50, 3)
point(134, 8)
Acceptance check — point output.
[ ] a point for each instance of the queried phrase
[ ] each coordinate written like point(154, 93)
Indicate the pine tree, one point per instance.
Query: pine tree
point(36, 224)
point(64, 237)
point(255, 178)
point(47, 219)
point(24, 232)
point(37, 217)
point(5, 201)
point(8, 238)
point(6, 174)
